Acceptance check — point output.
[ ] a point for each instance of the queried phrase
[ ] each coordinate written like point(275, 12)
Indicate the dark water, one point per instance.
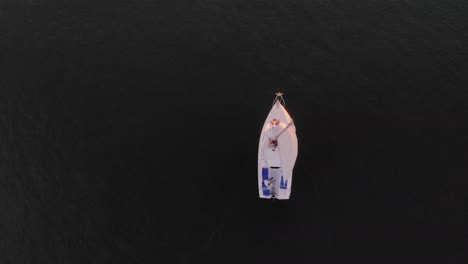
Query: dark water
point(129, 131)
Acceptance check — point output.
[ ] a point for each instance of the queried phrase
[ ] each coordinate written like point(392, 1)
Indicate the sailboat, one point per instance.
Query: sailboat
point(277, 152)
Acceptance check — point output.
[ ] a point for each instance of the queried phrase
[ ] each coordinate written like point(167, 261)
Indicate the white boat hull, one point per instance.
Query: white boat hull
point(275, 165)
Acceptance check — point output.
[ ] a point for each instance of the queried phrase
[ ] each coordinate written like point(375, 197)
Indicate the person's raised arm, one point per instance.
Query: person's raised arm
point(284, 129)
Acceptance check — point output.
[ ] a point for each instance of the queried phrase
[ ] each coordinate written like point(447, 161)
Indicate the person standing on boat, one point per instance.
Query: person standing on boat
point(273, 132)
point(272, 152)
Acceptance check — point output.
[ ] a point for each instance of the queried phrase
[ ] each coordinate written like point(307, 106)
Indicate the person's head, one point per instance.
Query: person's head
point(275, 122)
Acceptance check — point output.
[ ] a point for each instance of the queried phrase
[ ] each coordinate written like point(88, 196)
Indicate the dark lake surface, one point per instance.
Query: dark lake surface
point(129, 131)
